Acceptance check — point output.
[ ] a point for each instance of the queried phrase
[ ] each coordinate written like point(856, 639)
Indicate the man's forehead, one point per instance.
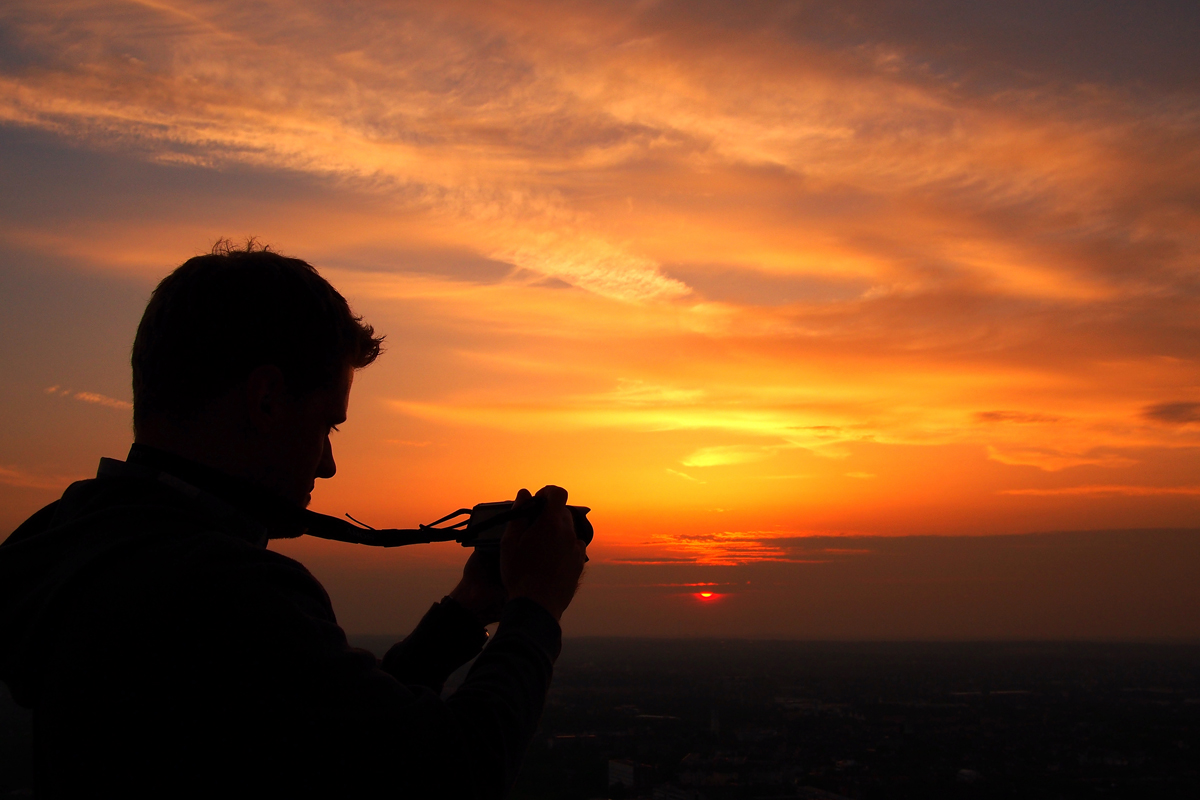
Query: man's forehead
point(341, 395)
point(334, 401)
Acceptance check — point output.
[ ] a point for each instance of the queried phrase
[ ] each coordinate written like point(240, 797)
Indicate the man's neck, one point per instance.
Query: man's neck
point(273, 512)
point(210, 440)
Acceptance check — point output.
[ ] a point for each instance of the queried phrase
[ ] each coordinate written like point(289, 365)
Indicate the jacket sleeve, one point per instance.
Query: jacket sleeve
point(447, 637)
point(495, 712)
point(395, 738)
point(500, 702)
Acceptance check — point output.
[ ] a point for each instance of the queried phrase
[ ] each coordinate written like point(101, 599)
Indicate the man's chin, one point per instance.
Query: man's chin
point(297, 500)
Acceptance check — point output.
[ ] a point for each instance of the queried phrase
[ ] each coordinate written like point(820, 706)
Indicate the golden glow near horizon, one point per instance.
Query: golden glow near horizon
point(733, 274)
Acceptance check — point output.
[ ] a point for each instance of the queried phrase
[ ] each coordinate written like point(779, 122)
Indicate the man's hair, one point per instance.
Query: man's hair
point(218, 317)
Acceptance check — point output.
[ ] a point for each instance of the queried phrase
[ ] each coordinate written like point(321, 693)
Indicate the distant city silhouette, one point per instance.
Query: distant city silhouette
point(725, 719)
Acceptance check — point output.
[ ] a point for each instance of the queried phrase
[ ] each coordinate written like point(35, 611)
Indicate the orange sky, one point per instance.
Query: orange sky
point(732, 273)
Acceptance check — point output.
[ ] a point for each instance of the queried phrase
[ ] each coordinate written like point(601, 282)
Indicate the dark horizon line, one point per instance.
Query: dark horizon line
point(1191, 641)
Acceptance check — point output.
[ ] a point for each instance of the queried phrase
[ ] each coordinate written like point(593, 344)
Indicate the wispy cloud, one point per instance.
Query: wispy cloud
point(1019, 417)
point(1123, 491)
point(1052, 459)
point(745, 547)
point(93, 398)
point(27, 479)
point(1178, 413)
point(728, 454)
point(683, 475)
point(731, 547)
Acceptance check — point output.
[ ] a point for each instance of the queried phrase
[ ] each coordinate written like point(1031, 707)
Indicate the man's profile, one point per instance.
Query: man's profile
point(165, 651)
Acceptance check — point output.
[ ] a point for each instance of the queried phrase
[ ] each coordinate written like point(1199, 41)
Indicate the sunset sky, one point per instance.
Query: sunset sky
point(781, 290)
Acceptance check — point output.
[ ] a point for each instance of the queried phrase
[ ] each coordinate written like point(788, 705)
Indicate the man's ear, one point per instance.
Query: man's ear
point(265, 397)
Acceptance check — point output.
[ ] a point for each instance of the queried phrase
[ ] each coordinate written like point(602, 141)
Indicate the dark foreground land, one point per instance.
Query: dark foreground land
point(740, 719)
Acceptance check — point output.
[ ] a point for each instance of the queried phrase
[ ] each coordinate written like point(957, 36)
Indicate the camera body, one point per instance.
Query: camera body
point(488, 521)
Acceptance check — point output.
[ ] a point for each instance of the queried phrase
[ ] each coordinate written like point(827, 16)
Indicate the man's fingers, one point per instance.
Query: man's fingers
point(554, 507)
point(516, 527)
point(554, 495)
point(542, 558)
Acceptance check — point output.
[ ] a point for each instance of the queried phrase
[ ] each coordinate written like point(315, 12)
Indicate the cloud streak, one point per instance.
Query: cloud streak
point(1125, 491)
point(93, 398)
point(26, 479)
point(1178, 413)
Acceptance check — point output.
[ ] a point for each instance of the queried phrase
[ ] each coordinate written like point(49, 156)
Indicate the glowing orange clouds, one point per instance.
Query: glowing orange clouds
point(735, 275)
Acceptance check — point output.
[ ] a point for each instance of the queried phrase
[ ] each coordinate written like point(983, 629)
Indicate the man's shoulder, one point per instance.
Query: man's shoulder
point(130, 572)
point(147, 534)
point(37, 523)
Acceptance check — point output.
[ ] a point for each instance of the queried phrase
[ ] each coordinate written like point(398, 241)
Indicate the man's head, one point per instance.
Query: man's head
point(243, 360)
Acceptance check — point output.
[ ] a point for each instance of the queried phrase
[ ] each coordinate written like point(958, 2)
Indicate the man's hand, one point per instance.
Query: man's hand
point(481, 591)
point(542, 559)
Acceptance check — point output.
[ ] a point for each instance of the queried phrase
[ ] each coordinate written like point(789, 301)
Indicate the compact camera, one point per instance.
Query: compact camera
point(486, 522)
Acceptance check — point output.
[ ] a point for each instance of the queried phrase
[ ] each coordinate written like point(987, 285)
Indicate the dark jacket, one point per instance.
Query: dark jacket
point(164, 650)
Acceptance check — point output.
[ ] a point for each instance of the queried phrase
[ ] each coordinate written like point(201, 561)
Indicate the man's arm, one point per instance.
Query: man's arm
point(505, 691)
point(356, 728)
point(394, 737)
point(454, 630)
point(542, 563)
point(447, 637)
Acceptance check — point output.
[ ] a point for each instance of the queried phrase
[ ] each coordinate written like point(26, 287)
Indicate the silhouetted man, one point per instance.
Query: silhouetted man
point(165, 651)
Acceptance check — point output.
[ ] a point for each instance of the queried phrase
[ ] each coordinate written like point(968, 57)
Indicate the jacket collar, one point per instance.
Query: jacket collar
point(235, 506)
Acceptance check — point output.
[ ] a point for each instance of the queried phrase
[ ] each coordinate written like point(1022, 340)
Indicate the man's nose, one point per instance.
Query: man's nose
point(327, 468)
